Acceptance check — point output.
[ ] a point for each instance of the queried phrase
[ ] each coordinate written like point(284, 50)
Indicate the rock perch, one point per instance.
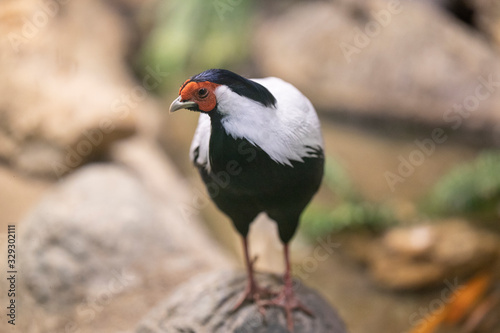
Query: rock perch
point(205, 303)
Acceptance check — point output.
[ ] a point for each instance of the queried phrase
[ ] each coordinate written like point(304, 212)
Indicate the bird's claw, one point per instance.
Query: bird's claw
point(254, 293)
point(287, 301)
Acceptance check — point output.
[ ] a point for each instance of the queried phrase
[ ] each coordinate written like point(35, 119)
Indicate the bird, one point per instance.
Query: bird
point(258, 148)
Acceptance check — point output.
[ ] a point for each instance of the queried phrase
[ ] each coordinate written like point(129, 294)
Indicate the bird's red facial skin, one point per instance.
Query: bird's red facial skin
point(203, 93)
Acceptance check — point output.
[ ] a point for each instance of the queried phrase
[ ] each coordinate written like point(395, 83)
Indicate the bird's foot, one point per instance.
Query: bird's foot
point(287, 300)
point(254, 293)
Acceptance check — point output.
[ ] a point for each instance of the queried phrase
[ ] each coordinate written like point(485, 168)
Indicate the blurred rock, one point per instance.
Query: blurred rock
point(384, 59)
point(102, 248)
point(22, 193)
point(487, 17)
point(204, 304)
point(67, 92)
point(426, 255)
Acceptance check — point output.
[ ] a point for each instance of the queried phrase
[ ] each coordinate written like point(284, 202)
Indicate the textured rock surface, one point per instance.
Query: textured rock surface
point(104, 246)
point(377, 60)
point(426, 255)
point(66, 90)
point(204, 304)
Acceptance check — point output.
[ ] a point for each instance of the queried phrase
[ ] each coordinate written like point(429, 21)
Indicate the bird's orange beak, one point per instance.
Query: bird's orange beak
point(178, 104)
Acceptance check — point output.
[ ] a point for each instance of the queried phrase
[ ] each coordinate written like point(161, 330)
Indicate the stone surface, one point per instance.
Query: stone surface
point(377, 60)
point(204, 304)
point(487, 17)
point(426, 255)
point(67, 92)
point(105, 245)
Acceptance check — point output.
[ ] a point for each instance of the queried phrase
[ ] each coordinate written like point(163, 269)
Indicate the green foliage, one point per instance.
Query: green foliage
point(471, 189)
point(351, 213)
point(191, 36)
point(346, 216)
point(338, 181)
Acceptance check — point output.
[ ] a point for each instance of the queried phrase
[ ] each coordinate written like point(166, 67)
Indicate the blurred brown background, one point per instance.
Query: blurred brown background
point(111, 217)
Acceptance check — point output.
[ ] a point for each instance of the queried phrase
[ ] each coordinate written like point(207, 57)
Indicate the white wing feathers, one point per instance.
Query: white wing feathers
point(198, 153)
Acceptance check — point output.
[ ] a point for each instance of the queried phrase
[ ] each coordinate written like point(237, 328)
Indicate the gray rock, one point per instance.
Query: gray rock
point(377, 60)
point(104, 246)
point(205, 304)
point(93, 223)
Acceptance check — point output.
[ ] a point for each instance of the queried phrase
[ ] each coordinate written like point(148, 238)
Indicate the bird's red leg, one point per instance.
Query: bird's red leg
point(252, 291)
point(286, 298)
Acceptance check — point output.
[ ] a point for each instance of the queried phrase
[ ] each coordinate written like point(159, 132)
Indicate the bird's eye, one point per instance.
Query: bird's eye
point(203, 92)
